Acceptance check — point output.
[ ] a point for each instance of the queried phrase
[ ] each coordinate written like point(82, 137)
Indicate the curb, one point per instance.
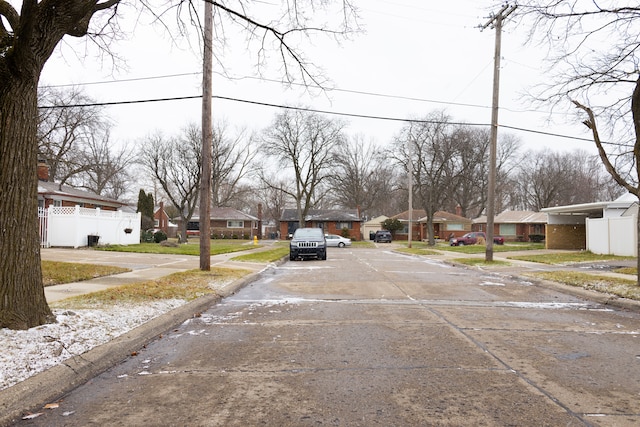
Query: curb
point(45, 386)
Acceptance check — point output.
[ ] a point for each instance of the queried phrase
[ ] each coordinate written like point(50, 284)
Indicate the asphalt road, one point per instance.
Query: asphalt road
point(372, 337)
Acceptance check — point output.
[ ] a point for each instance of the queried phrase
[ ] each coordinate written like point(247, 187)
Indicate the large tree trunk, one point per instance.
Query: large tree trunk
point(22, 300)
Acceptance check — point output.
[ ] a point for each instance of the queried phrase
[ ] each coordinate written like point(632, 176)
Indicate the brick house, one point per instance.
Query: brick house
point(593, 226)
point(331, 221)
point(514, 226)
point(445, 224)
point(161, 221)
point(227, 223)
point(58, 195)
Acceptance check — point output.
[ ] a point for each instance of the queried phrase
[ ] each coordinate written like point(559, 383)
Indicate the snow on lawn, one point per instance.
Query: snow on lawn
point(25, 353)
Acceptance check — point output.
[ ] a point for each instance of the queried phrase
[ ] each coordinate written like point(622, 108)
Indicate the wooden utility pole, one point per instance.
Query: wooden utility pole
point(410, 151)
point(207, 136)
point(496, 22)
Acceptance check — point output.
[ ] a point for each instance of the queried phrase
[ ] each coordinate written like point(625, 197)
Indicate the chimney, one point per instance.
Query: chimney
point(43, 171)
point(458, 210)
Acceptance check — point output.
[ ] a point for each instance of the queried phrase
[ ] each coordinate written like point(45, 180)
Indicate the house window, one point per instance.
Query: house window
point(508, 229)
point(341, 225)
point(57, 203)
point(538, 229)
point(455, 227)
point(156, 223)
point(235, 224)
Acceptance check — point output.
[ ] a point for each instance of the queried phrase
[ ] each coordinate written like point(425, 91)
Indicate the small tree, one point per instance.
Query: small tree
point(393, 225)
point(145, 207)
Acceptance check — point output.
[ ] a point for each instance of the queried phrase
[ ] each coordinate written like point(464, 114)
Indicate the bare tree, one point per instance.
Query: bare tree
point(428, 149)
point(274, 194)
point(106, 173)
point(175, 164)
point(28, 36)
point(593, 64)
point(546, 179)
point(64, 130)
point(27, 40)
point(304, 143)
point(360, 177)
point(233, 161)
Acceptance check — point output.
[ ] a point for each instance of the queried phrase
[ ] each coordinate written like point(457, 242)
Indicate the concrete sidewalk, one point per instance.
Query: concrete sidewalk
point(143, 267)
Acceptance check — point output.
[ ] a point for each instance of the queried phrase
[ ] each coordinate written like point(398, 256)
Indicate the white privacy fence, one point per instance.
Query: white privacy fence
point(75, 227)
point(614, 235)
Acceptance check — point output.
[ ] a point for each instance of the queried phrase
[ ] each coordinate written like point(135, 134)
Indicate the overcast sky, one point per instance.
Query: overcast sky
point(413, 58)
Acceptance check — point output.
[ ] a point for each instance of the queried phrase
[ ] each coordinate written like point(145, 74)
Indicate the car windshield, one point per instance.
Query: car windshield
point(303, 233)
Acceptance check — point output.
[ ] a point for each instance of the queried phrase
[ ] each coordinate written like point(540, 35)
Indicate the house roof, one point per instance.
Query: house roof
point(225, 214)
point(420, 215)
point(322, 215)
point(377, 220)
point(53, 190)
point(442, 216)
point(415, 215)
point(515, 217)
point(623, 202)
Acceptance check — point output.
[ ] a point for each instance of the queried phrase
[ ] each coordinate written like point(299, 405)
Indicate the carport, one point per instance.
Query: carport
point(582, 226)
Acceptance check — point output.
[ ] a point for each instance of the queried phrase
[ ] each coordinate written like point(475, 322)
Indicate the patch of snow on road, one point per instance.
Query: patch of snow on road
point(26, 353)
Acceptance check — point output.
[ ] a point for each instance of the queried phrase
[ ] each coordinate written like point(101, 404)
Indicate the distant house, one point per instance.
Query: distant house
point(227, 223)
point(70, 217)
point(370, 227)
point(445, 225)
point(162, 221)
point(331, 221)
point(405, 218)
point(601, 227)
point(515, 226)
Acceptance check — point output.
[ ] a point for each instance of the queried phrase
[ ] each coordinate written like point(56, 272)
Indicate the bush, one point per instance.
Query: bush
point(159, 236)
point(536, 238)
point(146, 236)
point(345, 233)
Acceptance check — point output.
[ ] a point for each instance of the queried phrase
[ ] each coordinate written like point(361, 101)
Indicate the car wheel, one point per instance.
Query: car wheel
point(460, 243)
point(324, 256)
point(341, 245)
point(292, 258)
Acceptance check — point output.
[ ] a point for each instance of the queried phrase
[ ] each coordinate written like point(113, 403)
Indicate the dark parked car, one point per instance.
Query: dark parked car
point(472, 239)
point(308, 243)
point(382, 236)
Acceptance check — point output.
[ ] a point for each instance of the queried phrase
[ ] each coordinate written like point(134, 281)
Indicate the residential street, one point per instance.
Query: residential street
point(373, 337)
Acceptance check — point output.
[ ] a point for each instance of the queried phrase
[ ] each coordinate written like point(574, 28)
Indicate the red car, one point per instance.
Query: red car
point(472, 239)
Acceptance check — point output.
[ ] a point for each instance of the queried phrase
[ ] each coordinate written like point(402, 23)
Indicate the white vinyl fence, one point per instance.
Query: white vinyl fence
point(614, 236)
point(75, 227)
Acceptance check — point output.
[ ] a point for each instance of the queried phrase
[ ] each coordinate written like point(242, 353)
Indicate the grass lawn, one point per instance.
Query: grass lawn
point(186, 285)
point(476, 249)
point(471, 249)
point(218, 246)
point(270, 255)
point(625, 288)
point(568, 257)
point(56, 273)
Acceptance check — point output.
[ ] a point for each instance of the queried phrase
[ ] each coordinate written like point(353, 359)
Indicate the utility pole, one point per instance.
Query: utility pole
point(496, 22)
point(410, 167)
point(207, 136)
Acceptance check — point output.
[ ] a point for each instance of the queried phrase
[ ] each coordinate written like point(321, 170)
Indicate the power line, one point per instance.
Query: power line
point(314, 110)
point(327, 89)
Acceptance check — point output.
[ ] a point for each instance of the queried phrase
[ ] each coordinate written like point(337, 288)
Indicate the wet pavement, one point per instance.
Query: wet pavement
point(374, 337)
